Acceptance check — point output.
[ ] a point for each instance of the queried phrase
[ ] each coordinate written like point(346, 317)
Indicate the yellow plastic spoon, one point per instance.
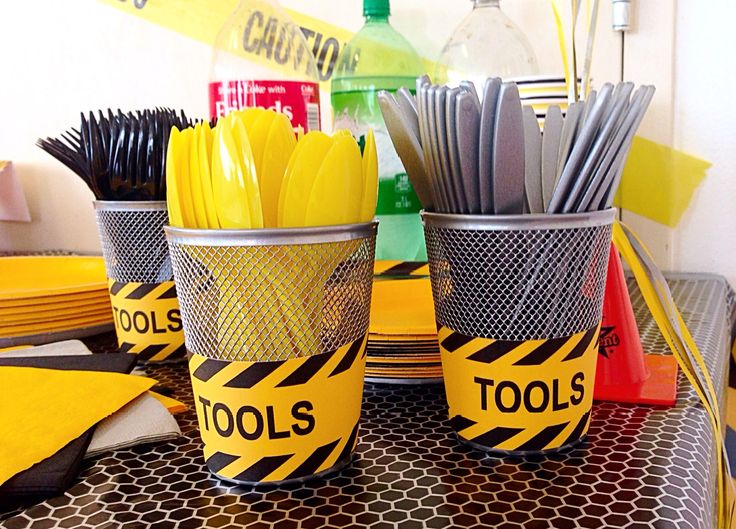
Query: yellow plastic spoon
point(297, 187)
point(228, 185)
point(370, 179)
point(184, 179)
point(276, 153)
point(337, 191)
point(258, 136)
point(287, 175)
point(250, 115)
point(250, 178)
point(173, 202)
point(204, 145)
point(195, 183)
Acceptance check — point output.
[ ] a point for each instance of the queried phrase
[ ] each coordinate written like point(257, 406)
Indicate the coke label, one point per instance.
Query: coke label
point(298, 100)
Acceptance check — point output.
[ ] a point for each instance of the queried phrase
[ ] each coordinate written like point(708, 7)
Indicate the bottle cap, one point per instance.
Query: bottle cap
point(376, 8)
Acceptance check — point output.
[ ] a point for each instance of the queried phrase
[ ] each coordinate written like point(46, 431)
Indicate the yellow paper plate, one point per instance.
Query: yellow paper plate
point(55, 336)
point(426, 340)
point(403, 373)
point(34, 276)
point(64, 300)
point(402, 306)
point(398, 361)
point(8, 331)
point(42, 317)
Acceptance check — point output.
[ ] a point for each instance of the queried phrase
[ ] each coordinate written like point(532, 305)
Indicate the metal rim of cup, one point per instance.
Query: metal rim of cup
point(271, 236)
point(545, 221)
point(129, 205)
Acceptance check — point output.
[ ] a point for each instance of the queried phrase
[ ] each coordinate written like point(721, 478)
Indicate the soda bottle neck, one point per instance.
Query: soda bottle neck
point(486, 3)
point(376, 19)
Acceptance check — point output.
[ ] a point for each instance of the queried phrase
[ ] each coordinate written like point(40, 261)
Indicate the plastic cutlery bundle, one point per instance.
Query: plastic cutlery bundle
point(472, 151)
point(251, 171)
point(119, 156)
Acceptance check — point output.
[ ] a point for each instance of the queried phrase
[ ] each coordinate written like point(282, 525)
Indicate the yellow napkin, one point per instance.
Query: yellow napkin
point(44, 409)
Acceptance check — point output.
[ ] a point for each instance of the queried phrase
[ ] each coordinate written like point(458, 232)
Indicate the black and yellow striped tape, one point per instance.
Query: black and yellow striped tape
point(400, 269)
point(279, 421)
point(147, 319)
point(519, 396)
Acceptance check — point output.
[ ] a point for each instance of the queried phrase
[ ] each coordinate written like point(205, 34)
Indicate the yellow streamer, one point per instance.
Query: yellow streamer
point(658, 298)
point(561, 41)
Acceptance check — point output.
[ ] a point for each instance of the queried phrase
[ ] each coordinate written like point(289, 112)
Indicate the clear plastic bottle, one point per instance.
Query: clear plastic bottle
point(260, 59)
point(486, 43)
point(379, 58)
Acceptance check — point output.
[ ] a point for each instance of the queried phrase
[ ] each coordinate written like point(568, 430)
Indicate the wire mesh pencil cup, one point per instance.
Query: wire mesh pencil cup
point(276, 319)
point(140, 278)
point(518, 301)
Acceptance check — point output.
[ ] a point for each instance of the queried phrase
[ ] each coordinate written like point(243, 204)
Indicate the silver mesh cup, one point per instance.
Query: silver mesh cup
point(133, 240)
point(519, 277)
point(518, 301)
point(276, 321)
point(273, 294)
point(142, 291)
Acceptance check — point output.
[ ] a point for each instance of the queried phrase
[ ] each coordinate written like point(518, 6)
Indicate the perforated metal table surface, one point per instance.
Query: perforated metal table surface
point(640, 467)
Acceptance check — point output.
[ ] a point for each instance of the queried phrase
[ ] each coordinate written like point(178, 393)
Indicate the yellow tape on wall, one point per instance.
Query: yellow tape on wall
point(201, 20)
point(659, 182)
point(281, 420)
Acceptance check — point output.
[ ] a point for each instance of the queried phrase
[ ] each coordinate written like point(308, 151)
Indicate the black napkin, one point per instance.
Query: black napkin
point(54, 475)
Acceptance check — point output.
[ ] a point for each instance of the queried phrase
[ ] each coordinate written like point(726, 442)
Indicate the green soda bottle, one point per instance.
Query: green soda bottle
point(379, 58)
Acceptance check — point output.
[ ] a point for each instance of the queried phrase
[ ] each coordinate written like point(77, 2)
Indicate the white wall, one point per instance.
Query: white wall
point(705, 77)
point(60, 57)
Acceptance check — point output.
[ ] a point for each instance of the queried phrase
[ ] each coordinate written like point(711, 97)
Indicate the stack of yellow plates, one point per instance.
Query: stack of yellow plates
point(49, 298)
point(402, 341)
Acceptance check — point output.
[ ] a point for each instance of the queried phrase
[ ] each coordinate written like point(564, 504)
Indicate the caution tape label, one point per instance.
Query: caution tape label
point(280, 420)
point(519, 396)
point(147, 319)
point(262, 38)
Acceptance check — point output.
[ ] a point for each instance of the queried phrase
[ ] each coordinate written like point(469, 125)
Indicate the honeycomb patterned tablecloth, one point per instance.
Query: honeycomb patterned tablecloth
point(640, 467)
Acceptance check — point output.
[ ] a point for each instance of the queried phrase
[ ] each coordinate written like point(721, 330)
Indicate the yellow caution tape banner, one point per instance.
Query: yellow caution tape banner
point(147, 319)
point(519, 396)
point(201, 20)
point(282, 420)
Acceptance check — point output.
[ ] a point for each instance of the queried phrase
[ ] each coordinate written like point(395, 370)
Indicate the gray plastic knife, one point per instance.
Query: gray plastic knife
point(533, 162)
point(489, 106)
point(580, 149)
point(408, 106)
point(550, 149)
point(453, 152)
point(467, 124)
point(508, 153)
point(407, 147)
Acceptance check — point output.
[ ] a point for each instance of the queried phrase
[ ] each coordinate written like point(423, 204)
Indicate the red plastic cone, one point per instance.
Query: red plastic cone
point(624, 372)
